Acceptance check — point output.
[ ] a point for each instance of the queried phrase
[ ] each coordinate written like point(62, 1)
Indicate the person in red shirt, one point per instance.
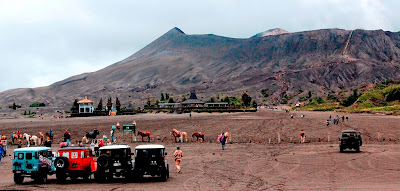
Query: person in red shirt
point(178, 159)
point(302, 136)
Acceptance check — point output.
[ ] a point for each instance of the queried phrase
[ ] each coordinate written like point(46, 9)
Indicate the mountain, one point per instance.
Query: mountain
point(276, 31)
point(285, 66)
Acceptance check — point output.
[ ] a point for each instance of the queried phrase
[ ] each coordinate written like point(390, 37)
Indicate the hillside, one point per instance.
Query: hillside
point(373, 98)
point(285, 66)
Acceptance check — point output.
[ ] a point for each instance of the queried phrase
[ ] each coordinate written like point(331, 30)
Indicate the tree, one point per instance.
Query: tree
point(213, 100)
point(100, 106)
point(171, 100)
point(254, 103)
point(148, 101)
point(162, 97)
point(117, 104)
point(183, 98)
point(226, 99)
point(75, 106)
point(351, 99)
point(157, 102)
point(109, 104)
point(246, 99)
point(309, 94)
point(14, 107)
point(166, 96)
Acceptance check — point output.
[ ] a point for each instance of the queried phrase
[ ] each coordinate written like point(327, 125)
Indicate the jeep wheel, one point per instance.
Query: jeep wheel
point(18, 178)
point(164, 176)
point(41, 177)
point(167, 170)
point(60, 175)
point(341, 149)
point(61, 163)
point(99, 176)
point(357, 149)
point(102, 161)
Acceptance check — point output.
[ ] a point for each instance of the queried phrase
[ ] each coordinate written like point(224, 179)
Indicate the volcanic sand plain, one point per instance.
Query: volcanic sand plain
point(256, 159)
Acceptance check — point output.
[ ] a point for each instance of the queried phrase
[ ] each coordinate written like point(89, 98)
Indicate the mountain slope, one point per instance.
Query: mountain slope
point(284, 65)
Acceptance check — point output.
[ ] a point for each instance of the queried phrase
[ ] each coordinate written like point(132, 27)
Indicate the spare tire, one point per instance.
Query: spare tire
point(61, 163)
point(102, 161)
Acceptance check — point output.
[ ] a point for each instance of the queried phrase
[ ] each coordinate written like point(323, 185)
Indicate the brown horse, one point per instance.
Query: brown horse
point(179, 136)
point(144, 134)
point(197, 136)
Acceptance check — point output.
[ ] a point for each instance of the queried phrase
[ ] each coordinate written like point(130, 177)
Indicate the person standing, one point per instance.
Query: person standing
point(67, 136)
point(178, 159)
point(1, 151)
point(223, 140)
point(47, 143)
point(302, 136)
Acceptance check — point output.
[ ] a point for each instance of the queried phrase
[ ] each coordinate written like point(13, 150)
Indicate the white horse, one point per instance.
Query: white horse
point(27, 138)
point(32, 139)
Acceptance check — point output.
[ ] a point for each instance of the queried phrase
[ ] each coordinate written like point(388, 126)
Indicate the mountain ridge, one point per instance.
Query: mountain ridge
point(284, 65)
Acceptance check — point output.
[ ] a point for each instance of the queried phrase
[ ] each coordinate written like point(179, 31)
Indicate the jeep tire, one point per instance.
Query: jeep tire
point(61, 163)
point(341, 149)
point(18, 178)
point(102, 161)
point(61, 176)
point(99, 175)
point(357, 148)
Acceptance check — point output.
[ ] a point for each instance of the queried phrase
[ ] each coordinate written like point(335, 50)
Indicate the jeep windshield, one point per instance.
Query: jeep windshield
point(116, 153)
point(145, 153)
point(349, 134)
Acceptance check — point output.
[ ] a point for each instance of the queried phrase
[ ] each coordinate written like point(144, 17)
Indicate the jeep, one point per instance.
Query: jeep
point(33, 162)
point(73, 162)
point(350, 139)
point(150, 160)
point(113, 160)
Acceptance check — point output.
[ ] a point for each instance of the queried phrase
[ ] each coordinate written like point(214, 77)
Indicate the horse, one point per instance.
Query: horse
point(27, 137)
point(92, 135)
point(144, 134)
point(182, 136)
point(197, 135)
point(85, 140)
point(35, 140)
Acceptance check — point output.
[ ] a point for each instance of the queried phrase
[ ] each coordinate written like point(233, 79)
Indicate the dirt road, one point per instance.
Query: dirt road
point(315, 165)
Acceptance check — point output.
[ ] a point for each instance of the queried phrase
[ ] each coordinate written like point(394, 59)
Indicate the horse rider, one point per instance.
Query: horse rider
point(178, 154)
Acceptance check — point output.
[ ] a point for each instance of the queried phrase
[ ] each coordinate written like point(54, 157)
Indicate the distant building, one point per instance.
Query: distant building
point(217, 105)
point(86, 105)
point(193, 101)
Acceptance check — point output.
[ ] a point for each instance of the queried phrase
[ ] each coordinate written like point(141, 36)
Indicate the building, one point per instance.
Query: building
point(217, 105)
point(193, 101)
point(86, 106)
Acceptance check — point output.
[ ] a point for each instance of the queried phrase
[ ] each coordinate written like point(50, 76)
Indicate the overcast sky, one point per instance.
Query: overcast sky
point(44, 41)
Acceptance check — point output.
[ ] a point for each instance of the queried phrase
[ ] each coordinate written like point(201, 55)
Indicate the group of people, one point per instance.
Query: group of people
point(336, 120)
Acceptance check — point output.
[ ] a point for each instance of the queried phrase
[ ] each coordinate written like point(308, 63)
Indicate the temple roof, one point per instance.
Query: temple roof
point(86, 100)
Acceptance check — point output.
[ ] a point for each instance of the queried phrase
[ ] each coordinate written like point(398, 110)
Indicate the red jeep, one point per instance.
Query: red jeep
point(75, 162)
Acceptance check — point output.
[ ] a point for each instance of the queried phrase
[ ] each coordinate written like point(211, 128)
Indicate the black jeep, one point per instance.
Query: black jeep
point(350, 139)
point(150, 160)
point(114, 160)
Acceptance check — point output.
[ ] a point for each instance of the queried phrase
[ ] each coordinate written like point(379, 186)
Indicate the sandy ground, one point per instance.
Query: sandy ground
point(262, 164)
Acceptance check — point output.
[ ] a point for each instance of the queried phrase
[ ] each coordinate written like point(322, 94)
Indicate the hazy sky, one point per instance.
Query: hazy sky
point(44, 41)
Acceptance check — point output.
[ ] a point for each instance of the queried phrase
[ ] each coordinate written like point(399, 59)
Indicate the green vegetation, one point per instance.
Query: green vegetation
point(378, 98)
point(37, 104)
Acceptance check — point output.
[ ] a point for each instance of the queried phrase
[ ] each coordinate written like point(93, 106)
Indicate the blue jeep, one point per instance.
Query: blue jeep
point(34, 162)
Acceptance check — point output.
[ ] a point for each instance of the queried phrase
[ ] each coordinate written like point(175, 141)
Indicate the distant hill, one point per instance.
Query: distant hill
point(276, 31)
point(276, 67)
